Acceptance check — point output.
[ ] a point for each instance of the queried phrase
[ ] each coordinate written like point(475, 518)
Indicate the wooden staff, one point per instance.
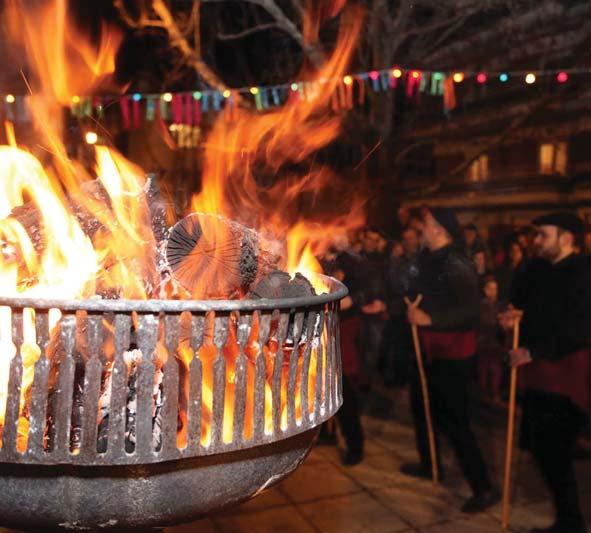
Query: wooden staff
point(510, 431)
point(425, 389)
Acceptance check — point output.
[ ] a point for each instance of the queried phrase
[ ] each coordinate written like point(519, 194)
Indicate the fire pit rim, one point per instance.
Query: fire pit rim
point(337, 292)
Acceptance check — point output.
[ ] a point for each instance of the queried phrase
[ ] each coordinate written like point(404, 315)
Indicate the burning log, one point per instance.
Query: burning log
point(30, 218)
point(91, 207)
point(132, 359)
point(279, 284)
point(213, 257)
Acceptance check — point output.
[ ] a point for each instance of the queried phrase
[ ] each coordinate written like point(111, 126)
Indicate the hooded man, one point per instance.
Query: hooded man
point(447, 319)
point(554, 301)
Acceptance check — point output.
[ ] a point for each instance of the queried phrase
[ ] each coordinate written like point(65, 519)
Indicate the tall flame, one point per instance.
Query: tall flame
point(47, 250)
point(248, 147)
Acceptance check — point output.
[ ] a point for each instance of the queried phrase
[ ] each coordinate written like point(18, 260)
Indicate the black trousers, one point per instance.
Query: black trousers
point(448, 388)
point(348, 418)
point(396, 352)
point(550, 427)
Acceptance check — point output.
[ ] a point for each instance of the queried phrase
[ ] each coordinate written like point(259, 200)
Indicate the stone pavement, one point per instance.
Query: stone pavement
point(324, 496)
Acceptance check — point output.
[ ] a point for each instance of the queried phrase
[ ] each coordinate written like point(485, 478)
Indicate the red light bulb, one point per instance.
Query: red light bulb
point(562, 77)
point(481, 78)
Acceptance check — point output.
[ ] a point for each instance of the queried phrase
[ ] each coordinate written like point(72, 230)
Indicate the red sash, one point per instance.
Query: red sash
point(569, 376)
point(448, 344)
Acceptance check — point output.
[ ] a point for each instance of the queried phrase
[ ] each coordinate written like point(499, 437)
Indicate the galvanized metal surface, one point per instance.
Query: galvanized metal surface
point(337, 292)
point(95, 498)
point(274, 369)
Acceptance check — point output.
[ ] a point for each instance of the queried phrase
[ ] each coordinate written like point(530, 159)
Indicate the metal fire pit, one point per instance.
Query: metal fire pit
point(72, 472)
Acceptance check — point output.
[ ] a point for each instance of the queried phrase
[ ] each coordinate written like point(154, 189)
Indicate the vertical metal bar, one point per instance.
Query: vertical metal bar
point(312, 314)
point(10, 434)
point(65, 381)
point(147, 335)
point(92, 383)
point(195, 384)
point(170, 386)
point(80, 356)
point(38, 409)
point(319, 366)
point(298, 323)
point(278, 370)
point(338, 361)
point(240, 371)
point(327, 335)
point(221, 324)
point(264, 322)
point(118, 407)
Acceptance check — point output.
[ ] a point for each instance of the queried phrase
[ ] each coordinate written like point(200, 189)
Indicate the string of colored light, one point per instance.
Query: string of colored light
point(529, 77)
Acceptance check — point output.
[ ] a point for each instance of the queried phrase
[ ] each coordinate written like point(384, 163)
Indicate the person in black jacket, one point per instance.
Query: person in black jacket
point(447, 321)
point(554, 300)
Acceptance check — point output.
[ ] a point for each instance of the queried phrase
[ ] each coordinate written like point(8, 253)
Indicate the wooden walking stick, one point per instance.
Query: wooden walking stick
point(510, 431)
point(425, 389)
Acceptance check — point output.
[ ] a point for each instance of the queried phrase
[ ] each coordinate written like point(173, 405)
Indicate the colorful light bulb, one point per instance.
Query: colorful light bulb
point(91, 137)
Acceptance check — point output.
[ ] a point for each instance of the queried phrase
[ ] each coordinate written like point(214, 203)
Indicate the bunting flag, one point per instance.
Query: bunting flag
point(187, 108)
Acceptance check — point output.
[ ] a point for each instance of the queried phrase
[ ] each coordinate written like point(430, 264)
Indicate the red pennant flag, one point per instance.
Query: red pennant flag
point(189, 109)
point(124, 105)
point(136, 114)
point(177, 109)
point(449, 94)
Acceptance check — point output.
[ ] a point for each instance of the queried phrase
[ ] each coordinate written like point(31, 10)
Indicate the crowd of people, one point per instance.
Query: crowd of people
point(469, 294)
point(379, 272)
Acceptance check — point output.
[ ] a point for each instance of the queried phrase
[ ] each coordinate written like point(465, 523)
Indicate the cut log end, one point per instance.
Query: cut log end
point(213, 257)
point(279, 284)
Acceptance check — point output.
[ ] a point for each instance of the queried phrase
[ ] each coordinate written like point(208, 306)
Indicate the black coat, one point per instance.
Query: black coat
point(449, 285)
point(556, 301)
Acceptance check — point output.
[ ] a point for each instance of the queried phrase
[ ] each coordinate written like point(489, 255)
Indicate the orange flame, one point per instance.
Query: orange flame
point(65, 260)
point(249, 147)
point(45, 250)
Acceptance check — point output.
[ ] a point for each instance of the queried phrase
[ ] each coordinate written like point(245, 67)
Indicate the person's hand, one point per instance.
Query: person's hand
point(519, 357)
point(346, 303)
point(339, 274)
point(508, 318)
point(417, 317)
point(374, 308)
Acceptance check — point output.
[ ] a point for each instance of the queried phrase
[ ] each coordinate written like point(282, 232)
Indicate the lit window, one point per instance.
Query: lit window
point(478, 169)
point(553, 158)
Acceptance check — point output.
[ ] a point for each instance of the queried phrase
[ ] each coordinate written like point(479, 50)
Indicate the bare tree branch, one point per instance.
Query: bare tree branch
point(166, 21)
point(178, 41)
point(312, 50)
point(249, 31)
